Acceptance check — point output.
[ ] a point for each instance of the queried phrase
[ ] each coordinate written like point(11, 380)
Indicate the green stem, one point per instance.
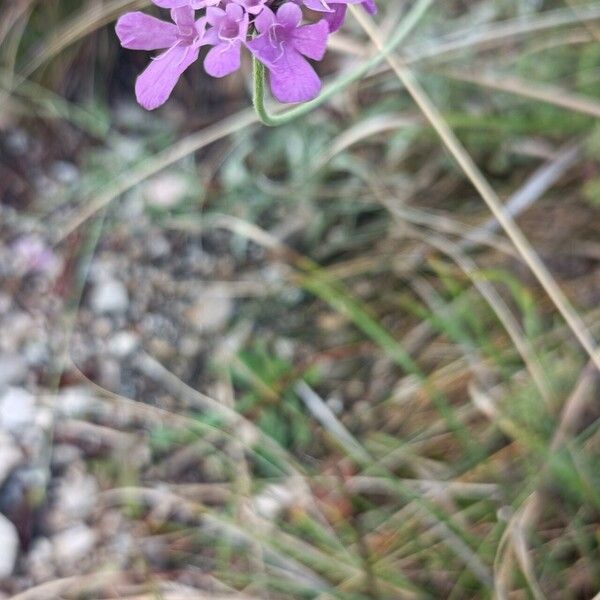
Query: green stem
point(407, 25)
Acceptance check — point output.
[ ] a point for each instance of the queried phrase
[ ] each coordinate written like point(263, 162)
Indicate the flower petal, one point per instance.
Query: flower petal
point(294, 80)
point(311, 40)
point(183, 17)
point(223, 59)
point(138, 31)
point(154, 86)
point(265, 19)
point(337, 17)
point(289, 15)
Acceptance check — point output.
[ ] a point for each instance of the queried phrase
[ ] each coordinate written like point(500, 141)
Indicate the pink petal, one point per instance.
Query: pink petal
point(311, 40)
point(265, 19)
point(294, 80)
point(223, 59)
point(154, 86)
point(138, 31)
point(289, 15)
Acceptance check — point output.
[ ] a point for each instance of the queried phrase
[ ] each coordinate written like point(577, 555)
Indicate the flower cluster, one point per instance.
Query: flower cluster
point(275, 32)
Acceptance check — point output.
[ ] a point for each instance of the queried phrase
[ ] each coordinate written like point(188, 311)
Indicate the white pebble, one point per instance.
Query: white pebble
point(17, 410)
point(109, 296)
point(123, 343)
point(9, 542)
point(13, 369)
point(74, 401)
point(73, 544)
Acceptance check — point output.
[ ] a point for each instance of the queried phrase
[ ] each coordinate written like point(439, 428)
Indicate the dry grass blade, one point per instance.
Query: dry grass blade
point(488, 194)
point(370, 127)
point(191, 397)
point(501, 309)
point(12, 15)
point(485, 288)
point(489, 36)
point(591, 27)
point(79, 584)
point(531, 191)
point(325, 416)
point(525, 519)
point(195, 595)
point(433, 488)
point(548, 94)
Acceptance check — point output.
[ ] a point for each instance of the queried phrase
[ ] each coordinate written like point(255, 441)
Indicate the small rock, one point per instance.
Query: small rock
point(273, 500)
point(285, 348)
point(161, 349)
point(189, 346)
point(39, 560)
point(73, 544)
point(64, 172)
point(108, 374)
point(166, 191)
point(123, 343)
point(129, 115)
point(158, 246)
point(64, 455)
point(36, 353)
point(22, 487)
point(17, 410)
point(74, 401)
point(13, 369)
point(6, 301)
point(17, 142)
point(121, 547)
point(336, 404)
point(9, 543)
point(76, 494)
point(212, 311)
point(109, 296)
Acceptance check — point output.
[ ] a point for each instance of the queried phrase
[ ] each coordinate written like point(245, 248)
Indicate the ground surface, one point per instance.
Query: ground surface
point(296, 363)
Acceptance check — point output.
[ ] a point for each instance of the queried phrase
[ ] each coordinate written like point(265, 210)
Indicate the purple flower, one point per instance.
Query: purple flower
point(228, 31)
point(33, 255)
point(335, 10)
point(370, 6)
point(253, 7)
point(281, 46)
point(282, 42)
point(181, 40)
point(195, 4)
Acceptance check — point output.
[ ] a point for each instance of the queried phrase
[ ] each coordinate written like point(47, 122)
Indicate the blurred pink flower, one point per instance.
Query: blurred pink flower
point(33, 255)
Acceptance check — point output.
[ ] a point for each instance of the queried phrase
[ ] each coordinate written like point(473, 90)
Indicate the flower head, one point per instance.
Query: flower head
point(228, 32)
point(281, 40)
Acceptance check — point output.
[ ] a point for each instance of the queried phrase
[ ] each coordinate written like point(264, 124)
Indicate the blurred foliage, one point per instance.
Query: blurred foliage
point(454, 433)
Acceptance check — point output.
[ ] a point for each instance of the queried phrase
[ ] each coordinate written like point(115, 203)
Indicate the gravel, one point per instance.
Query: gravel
point(109, 296)
point(17, 410)
point(13, 370)
point(72, 545)
point(9, 544)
